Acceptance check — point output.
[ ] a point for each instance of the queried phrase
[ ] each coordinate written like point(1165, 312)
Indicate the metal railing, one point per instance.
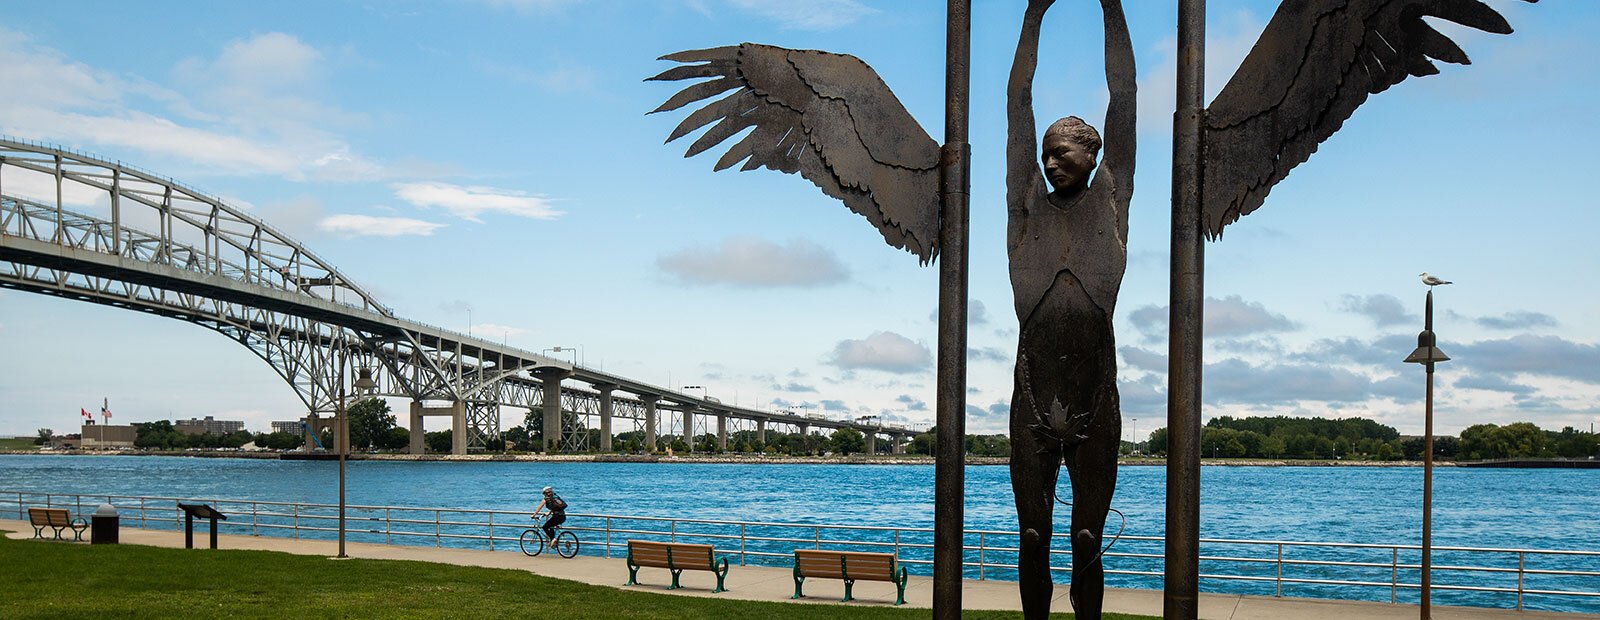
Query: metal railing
point(1484, 577)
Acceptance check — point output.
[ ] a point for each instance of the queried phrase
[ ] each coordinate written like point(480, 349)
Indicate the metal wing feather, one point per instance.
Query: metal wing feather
point(1317, 61)
point(826, 116)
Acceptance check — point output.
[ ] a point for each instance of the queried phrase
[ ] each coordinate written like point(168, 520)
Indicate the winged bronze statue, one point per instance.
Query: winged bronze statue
point(1317, 61)
point(828, 117)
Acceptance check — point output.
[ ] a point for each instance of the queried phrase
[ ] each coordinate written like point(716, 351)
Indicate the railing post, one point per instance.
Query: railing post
point(254, 531)
point(673, 526)
point(1279, 592)
point(437, 540)
point(816, 532)
point(296, 521)
point(1520, 574)
point(491, 531)
point(608, 537)
point(741, 544)
point(897, 544)
point(1394, 575)
point(982, 542)
point(141, 512)
point(388, 527)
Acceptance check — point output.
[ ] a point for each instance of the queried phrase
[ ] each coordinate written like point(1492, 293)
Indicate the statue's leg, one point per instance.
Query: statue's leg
point(1093, 470)
point(1034, 470)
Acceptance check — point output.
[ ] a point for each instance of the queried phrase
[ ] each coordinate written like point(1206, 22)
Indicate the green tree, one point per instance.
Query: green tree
point(517, 438)
point(440, 441)
point(1157, 444)
point(44, 436)
point(396, 439)
point(846, 441)
point(369, 421)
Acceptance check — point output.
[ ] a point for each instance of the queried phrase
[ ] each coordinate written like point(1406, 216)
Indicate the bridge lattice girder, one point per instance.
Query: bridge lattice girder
point(147, 243)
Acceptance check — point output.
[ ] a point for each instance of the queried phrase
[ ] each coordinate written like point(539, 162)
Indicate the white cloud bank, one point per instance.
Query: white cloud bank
point(371, 226)
point(469, 202)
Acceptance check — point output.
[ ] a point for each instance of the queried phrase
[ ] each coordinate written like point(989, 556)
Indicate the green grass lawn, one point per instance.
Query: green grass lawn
point(19, 443)
point(59, 580)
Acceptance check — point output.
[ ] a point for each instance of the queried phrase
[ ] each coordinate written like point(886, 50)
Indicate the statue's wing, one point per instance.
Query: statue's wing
point(828, 117)
point(1317, 61)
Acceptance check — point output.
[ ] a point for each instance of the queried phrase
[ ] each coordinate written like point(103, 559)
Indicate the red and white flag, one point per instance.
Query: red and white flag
point(105, 409)
point(85, 413)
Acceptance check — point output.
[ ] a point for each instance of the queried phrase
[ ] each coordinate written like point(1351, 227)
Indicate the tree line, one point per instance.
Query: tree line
point(1359, 438)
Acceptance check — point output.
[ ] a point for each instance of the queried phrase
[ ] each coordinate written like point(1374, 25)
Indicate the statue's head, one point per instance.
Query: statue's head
point(1069, 152)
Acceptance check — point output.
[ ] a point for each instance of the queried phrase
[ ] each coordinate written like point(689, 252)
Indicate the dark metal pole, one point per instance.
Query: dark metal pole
point(949, 486)
point(341, 443)
point(1427, 478)
point(1181, 596)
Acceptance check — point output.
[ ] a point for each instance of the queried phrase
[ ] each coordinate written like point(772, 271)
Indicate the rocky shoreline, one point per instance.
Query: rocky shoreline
point(732, 459)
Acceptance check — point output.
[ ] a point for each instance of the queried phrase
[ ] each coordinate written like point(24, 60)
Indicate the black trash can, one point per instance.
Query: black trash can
point(103, 525)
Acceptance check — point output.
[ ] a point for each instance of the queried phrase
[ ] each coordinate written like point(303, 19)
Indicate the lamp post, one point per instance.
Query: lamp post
point(364, 383)
point(1427, 354)
point(572, 350)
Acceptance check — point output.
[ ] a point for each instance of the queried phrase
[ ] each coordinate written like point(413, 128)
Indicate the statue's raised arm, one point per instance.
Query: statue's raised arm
point(1120, 133)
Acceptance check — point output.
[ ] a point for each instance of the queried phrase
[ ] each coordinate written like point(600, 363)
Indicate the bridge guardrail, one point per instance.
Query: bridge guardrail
point(1265, 567)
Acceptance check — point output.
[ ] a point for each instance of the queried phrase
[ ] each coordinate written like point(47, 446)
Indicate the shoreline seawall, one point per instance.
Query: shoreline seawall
point(733, 459)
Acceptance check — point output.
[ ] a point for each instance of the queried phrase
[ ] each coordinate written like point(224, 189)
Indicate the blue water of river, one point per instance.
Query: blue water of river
point(1548, 509)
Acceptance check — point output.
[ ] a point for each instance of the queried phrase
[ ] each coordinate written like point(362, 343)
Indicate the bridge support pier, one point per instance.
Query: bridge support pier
point(688, 427)
point(805, 437)
point(650, 401)
point(458, 426)
point(722, 432)
point(605, 416)
point(310, 430)
point(761, 432)
point(872, 442)
point(550, 380)
point(418, 445)
point(899, 445)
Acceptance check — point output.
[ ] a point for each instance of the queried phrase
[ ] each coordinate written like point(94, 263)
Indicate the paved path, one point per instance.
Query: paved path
point(777, 584)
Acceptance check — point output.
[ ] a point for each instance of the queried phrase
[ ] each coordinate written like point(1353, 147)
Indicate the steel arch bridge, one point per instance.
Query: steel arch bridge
point(79, 227)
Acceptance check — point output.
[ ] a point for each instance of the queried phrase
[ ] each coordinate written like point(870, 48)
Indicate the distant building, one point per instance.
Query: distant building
point(208, 425)
point(107, 436)
point(292, 427)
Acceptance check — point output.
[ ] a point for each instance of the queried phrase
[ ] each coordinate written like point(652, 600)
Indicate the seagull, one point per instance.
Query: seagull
point(1432, 281)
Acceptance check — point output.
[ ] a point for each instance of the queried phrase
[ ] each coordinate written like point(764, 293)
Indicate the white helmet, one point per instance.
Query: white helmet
point(548, 490)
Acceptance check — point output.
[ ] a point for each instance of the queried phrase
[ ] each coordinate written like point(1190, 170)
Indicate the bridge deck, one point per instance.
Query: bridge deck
point(776, 584)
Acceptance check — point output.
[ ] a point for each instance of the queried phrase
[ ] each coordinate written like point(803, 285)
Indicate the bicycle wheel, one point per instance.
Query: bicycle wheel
point(532, 542)
point(567, 544)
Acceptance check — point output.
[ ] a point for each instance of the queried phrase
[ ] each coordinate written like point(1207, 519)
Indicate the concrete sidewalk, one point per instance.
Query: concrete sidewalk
point(777, 584)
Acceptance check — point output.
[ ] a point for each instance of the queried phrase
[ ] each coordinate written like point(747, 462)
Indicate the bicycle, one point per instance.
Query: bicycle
point(533, 541)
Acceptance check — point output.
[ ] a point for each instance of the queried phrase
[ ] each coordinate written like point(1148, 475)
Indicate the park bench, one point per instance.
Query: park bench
point(58, 519)
point(851, 566)
point(675, 557)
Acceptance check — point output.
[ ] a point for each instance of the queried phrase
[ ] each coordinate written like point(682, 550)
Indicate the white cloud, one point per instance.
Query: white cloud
point(251, 110)
point(806, 14)
point(753, 262)
point(469, 202)
point(886, 351)
point(351, 225)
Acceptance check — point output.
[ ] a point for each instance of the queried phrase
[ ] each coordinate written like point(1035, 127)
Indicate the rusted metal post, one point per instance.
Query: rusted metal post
point(949, 487)
point(1181, 596)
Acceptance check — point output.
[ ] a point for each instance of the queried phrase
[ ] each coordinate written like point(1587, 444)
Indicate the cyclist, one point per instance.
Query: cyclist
point(558, 512)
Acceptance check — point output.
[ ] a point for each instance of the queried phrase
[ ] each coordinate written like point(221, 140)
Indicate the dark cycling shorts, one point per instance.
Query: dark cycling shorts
point(551, 523)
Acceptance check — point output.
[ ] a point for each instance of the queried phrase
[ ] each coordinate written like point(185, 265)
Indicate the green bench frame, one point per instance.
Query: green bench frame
point(897, 572)
point(717, 566)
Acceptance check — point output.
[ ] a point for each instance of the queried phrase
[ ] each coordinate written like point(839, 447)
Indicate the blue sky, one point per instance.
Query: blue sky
point(492, 159)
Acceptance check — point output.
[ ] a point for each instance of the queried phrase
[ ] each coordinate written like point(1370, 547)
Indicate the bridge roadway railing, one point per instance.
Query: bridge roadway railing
point(1556, 580)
